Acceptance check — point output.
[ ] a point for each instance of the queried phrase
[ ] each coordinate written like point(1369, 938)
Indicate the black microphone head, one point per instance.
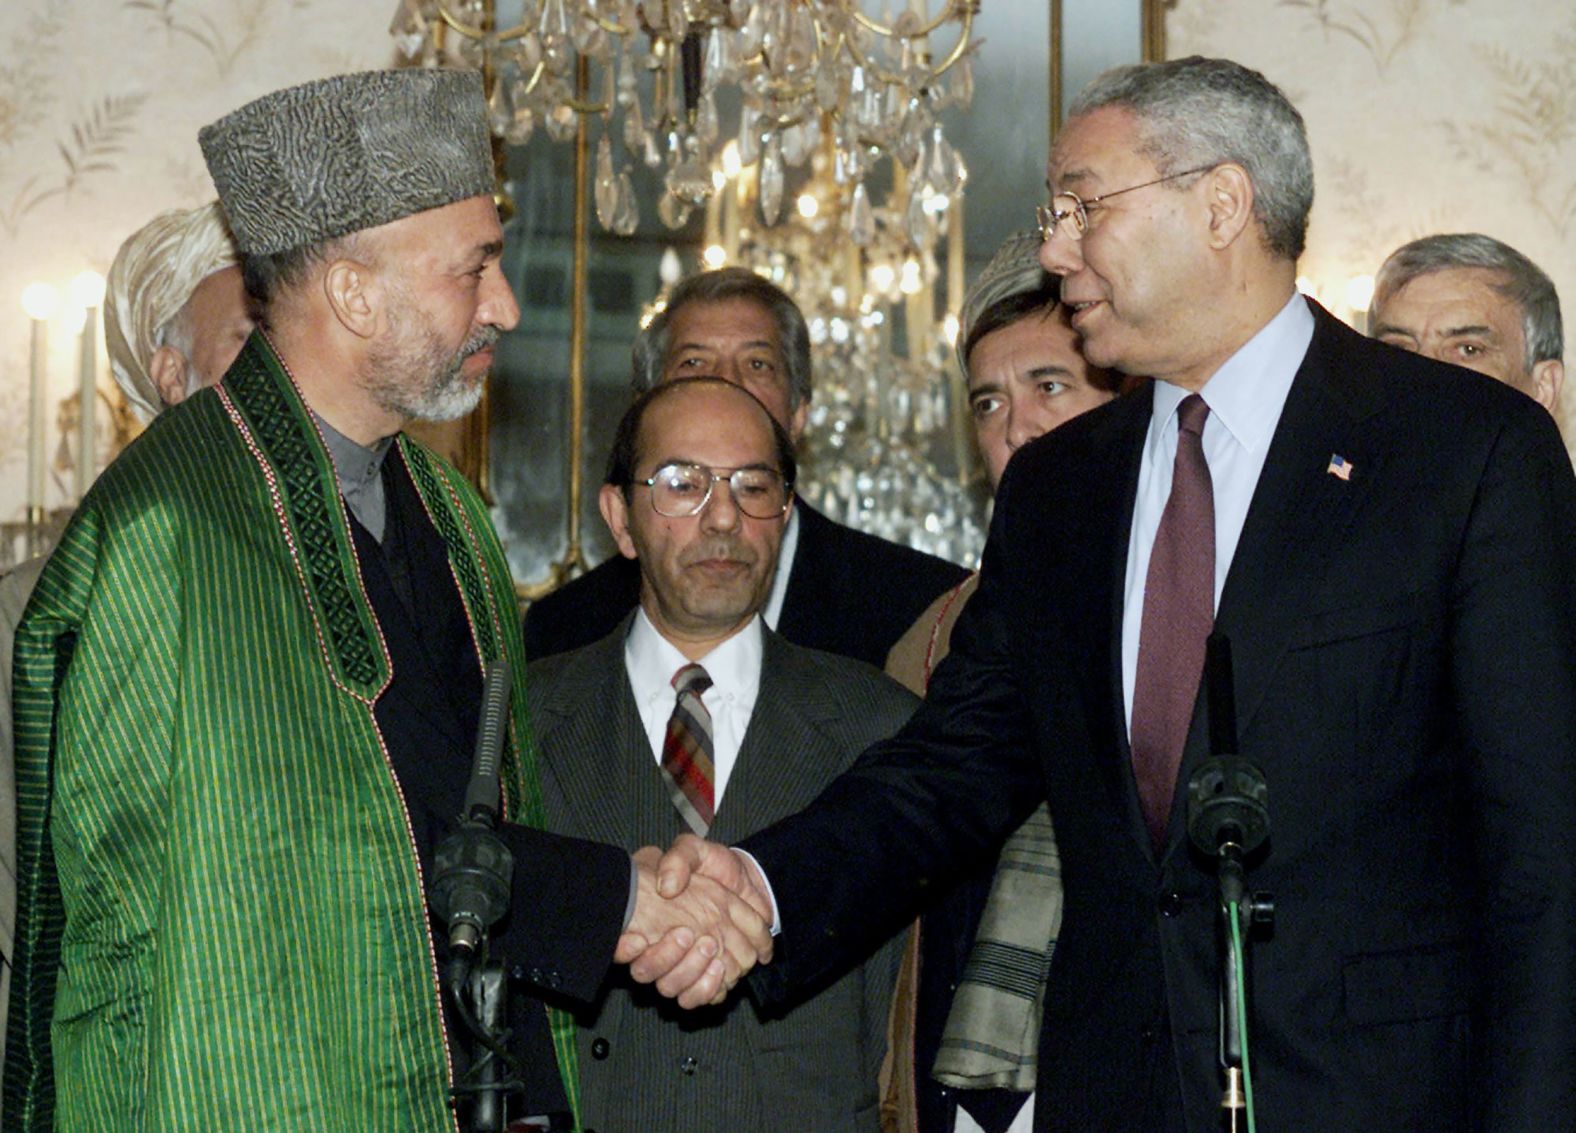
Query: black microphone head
point(1227, 801)
point(472, 877)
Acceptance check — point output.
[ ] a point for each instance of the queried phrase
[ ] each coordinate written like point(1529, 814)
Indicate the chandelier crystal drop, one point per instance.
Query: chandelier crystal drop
point(674, 81)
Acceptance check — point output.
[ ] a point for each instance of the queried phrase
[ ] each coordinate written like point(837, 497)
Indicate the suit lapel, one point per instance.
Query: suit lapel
point(779, 753)
point(598, 762)
point(805, 595)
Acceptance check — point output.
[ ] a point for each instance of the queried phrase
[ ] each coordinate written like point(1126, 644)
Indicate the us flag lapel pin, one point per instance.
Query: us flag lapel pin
point(1339, 466)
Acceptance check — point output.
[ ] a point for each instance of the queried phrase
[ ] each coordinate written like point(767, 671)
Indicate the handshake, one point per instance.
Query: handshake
point(702, 920)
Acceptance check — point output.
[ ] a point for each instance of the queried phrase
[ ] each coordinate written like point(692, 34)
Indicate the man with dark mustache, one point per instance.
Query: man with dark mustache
point(692, 715)
point(738, 326)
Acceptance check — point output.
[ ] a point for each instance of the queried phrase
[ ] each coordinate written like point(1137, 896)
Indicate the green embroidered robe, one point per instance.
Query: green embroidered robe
point(221, 908)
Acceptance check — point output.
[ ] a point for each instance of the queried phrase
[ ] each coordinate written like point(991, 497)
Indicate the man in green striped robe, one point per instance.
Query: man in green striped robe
point(247, 684)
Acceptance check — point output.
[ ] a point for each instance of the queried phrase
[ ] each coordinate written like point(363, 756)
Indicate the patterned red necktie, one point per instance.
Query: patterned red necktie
point(687, 750)
point(1179, 611)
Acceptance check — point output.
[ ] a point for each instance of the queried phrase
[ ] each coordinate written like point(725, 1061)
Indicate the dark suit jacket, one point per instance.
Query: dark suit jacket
point(569, 896)
point(645, 1065)
point(1405, 647)
point(849, 593)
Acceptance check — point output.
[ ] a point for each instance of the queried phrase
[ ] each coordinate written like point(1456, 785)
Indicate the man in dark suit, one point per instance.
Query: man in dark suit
point(734, 325)
point(1391, 552)
point(697, 495)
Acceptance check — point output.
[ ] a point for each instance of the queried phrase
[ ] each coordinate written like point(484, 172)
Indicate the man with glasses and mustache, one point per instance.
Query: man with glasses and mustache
point(693, 715)
point(736, 325)
point(1387, 543)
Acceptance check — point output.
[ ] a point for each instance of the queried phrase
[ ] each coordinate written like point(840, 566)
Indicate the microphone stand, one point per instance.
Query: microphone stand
point(472, 879)
point(1228, 821)
point(488, 990)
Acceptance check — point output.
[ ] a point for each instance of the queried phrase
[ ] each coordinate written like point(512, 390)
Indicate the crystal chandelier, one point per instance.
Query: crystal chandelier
point(887, 449)
point(800, 77)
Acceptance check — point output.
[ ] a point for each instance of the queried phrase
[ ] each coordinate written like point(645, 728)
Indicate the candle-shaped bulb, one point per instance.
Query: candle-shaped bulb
point(40, 300)
point(86, 289)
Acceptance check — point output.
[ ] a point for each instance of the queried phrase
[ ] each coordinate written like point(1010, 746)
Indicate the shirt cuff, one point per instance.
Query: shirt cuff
point(634, 891)
point(777, 924)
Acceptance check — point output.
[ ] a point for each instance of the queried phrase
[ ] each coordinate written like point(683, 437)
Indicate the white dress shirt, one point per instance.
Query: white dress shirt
point(774, 601)
point(1023, 1123)
point(735, 671)
point(1245, 398)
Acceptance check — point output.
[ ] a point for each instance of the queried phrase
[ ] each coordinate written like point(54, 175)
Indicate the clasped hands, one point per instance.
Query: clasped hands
point(702, 920)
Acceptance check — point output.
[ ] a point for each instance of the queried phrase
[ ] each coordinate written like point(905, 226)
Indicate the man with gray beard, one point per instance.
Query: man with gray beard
point(249, 681)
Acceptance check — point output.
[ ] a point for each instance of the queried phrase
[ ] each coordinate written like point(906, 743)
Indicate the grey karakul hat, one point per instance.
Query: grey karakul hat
point(1014, 269)
point(318, 161)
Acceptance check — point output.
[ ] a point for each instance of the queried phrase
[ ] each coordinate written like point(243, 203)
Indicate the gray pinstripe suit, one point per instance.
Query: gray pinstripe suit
point(646, 1066)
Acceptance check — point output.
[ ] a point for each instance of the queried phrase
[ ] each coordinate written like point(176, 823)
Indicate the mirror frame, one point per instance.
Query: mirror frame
point(1152, 36)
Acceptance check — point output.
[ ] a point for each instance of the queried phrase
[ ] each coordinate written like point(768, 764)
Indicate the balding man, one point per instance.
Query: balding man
point(1471, 300)
point(692, 714)
point(738, 326)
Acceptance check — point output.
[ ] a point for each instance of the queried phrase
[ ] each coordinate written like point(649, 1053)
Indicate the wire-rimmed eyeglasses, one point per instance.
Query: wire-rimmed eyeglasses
point(1068, 204)
point(680, 490)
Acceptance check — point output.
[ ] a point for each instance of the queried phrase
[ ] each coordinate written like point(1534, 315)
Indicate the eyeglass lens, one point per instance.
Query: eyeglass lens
point(1064, 207)
point(679, 490)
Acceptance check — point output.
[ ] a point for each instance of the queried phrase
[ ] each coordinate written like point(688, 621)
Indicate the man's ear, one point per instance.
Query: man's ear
point(796, 424)
point(1229, 197)
point(1548, 377)
point(615, 513)
point(168, 369)
point(354, 295)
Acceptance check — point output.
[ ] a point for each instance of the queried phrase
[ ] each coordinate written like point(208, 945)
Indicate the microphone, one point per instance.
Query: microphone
point(473, 870)
point(1227, 797)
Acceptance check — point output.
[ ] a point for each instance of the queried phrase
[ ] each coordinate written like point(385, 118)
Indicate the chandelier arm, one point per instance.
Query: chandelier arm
point(969, 8)
point(946, 64)
point(458, 25)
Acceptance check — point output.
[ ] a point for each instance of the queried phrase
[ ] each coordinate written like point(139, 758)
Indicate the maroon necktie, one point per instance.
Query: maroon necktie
point(1179, 610)
point(687, 750)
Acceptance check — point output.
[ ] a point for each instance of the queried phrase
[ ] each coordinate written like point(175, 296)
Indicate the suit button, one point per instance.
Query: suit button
point(599, 1051)
point(1170, 904)
point(689, 1064)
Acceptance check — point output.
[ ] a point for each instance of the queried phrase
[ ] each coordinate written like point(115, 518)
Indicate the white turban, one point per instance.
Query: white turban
point(153, 276)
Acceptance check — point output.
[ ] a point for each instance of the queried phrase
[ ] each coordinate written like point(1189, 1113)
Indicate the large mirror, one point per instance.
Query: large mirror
point(1031, 60)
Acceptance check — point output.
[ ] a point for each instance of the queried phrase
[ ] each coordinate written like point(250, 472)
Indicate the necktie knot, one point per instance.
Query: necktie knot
point(691, 678)
point(1191, 415)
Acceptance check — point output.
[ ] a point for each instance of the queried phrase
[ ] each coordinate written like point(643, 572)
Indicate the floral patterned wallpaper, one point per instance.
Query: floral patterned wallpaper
point(1425, 116)
point(100, 104)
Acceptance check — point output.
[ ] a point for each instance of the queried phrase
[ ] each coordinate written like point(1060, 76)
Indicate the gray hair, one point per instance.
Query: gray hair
point(1198, 112)
point(268, 276)
point(1524, 283)
point(651, 343)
